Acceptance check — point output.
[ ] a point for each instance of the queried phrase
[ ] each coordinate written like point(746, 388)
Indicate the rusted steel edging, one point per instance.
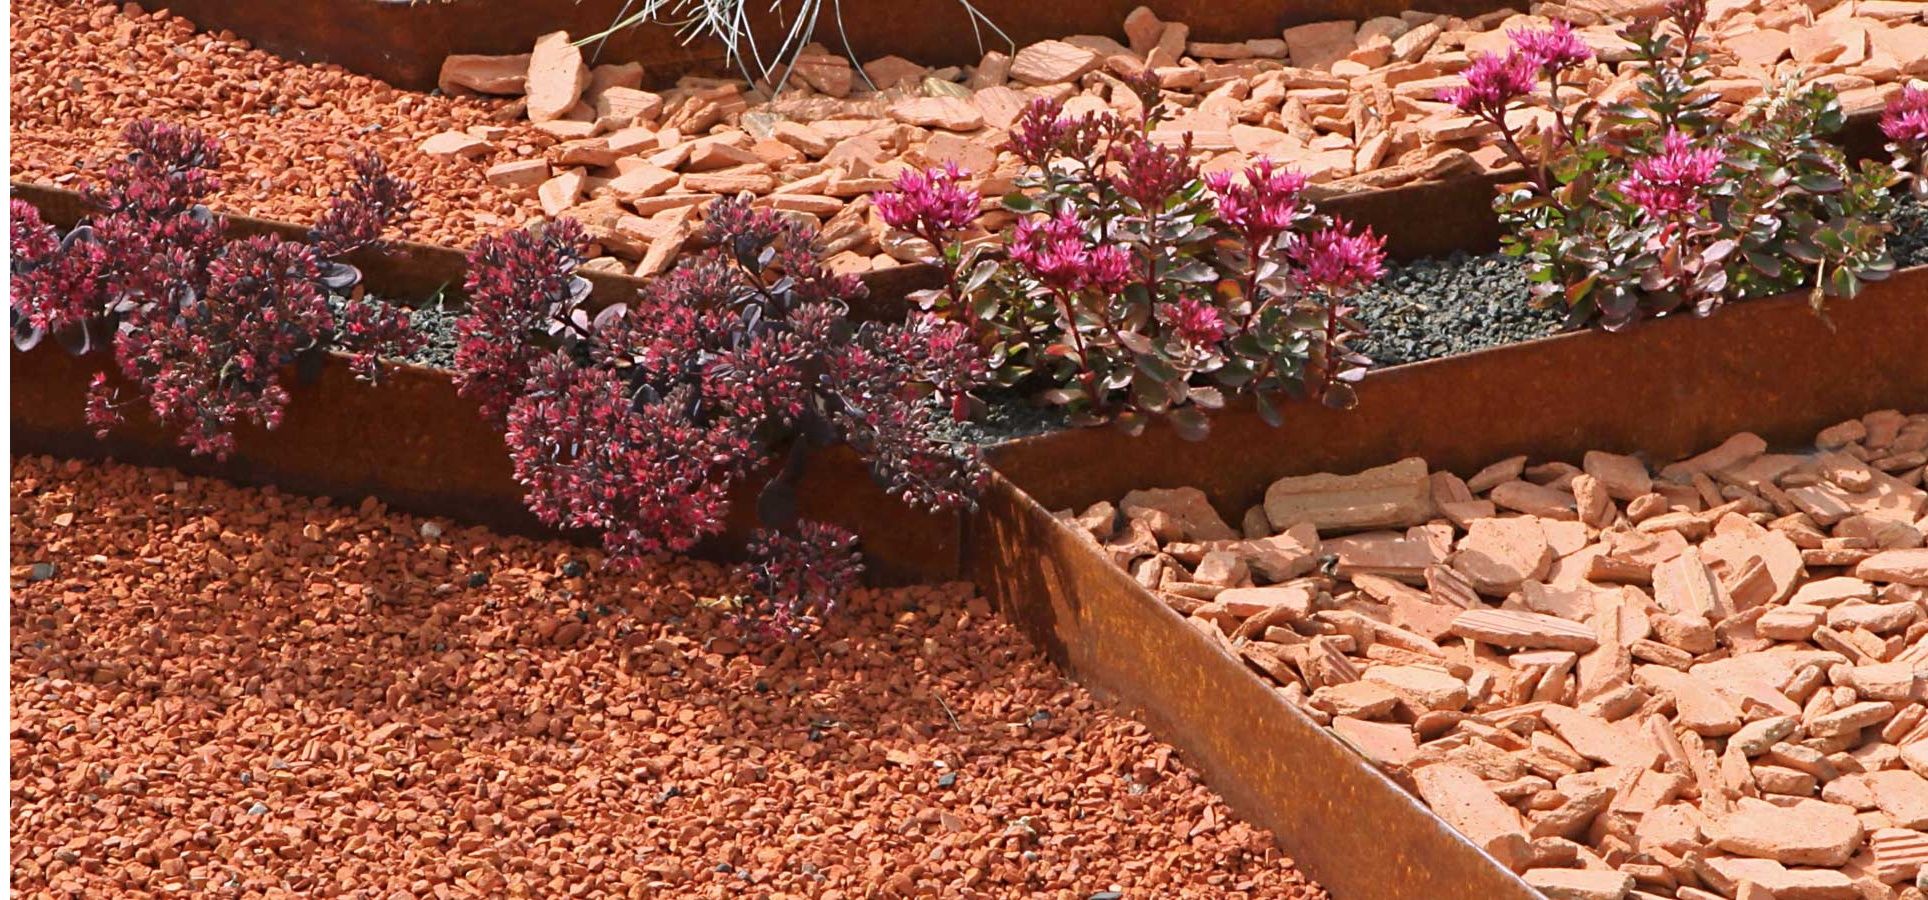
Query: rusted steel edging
point(416, 444)
point(1420, 219)
point(404, 42)
point(1665, 388)
point(1344, 822)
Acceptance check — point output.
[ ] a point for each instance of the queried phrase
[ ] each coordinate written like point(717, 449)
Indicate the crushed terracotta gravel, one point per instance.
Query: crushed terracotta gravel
point(219, 689)
point(1623, 680)
point(288, 128)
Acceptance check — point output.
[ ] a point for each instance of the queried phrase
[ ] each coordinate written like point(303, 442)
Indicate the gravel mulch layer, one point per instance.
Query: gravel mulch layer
point(218, 689)
point(287, 128)
point(1674, 679)
point(1910, 240)
point(1443, 306)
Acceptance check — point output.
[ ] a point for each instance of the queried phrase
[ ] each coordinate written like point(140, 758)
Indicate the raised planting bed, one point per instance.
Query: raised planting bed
point(273, 135)
point(1665, 389)
point(1605, 676)
point(1356, 108)
point(219, 690)
point(404, 43)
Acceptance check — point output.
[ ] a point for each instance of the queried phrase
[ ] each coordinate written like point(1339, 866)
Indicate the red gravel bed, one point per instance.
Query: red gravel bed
point(219, 689)
point(82, 71)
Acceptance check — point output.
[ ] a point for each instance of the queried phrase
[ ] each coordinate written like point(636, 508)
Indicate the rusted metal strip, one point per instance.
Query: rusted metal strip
point(1428, 218)
point(415, 443)
point(1665, 389)
point(1347, 824)
point(404, 42)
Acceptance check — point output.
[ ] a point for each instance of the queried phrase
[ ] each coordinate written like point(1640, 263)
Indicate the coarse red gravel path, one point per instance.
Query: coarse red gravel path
point(228, 690)
point(82, 71)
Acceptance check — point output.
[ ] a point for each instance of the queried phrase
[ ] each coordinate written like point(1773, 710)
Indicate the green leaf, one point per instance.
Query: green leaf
point(1190, 423)
point(1819, 183)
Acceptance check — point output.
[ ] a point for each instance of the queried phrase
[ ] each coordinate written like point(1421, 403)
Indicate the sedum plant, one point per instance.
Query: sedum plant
point(1905, 123)
point(641, 422)
point(202, 324)
point(1133, 287)
point(1657, 204)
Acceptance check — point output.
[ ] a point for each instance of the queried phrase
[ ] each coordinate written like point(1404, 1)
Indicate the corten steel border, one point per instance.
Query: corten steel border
point(1344, 822)
point(1664, 389)
point(415, 443)
point(404, 42)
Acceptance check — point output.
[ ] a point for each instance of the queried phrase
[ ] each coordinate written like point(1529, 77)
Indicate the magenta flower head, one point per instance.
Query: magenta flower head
point(1150, 173)
point(928, 204)
point(1553, 49)
point(1669, 182)
point(1195, 322)
point(1053, 249)
point(1260, 203)
point(1906, 119)
point(1493, 83)
point(1040, 129)
point(1336, 261)
point(1108, 268)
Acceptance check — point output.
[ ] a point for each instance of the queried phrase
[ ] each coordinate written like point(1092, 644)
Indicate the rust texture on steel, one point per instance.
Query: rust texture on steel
point(404, 42)
point(1664, 389)
point(416, 444)
point(1348, 825)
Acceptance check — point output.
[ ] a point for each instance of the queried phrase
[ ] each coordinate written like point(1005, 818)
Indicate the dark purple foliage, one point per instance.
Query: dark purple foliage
point(643, 421)
point(795, 578)
point(202, 324)
point(519, 284)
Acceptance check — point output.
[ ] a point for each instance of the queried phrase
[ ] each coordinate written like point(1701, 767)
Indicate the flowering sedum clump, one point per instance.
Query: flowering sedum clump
point(201, 323)
point(1655, 204)
point(643, 421)
point(1133, 287)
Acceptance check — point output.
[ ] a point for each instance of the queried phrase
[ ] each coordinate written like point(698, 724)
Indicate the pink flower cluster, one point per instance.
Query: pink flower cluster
point(1336, 261)
point(1905, 121)
point(1150, 173)
point(1669, 182)
point(518, 284)
point(795, 580)
point(1197, 324)
point(1040, 130)
point(1056, 251)
point(1554, 49)
point(1492, 84)
point(929, 204)
point(590, 458)
point(1260, 203)
point(204, 325)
